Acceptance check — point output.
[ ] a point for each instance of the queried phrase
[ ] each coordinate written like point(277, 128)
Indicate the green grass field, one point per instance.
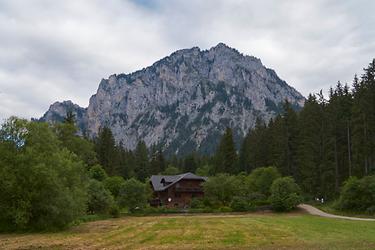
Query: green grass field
point(246, 231)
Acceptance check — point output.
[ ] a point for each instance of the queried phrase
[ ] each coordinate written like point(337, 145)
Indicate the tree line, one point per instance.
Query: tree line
point(323, 144)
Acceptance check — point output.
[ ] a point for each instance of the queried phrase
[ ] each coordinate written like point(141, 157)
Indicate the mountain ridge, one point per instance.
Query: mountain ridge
point(184, 101)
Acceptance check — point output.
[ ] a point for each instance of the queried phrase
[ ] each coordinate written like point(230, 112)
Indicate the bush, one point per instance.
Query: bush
point(358, 195)
point(114, 184)
point(114, 211)
point(225, 209)
point(134, 195)
point(220, 189)
point(203, 171)
point(261, 179)
point(100, 199)
point(171, 170)
point(241, 204)
point(97, 172)
point(257, 198)
point(285, 194)
point(197, 203)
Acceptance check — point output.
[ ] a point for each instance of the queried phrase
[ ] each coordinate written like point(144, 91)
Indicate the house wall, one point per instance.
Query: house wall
point(181, 193)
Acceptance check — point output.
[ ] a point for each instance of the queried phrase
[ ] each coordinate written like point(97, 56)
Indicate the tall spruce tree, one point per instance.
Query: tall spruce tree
point(158, 162)
point(284, 145)
point(142, 165)
point(255, 149)
point(310, 153)
point(226, 155)
point(339, 114)
point(364, 122)
point(106, 151)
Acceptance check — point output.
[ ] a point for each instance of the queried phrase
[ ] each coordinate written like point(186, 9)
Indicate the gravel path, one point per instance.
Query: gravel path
point(314, 211)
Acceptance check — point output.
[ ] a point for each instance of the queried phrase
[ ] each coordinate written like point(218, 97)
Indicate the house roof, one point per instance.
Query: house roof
point(157, 183)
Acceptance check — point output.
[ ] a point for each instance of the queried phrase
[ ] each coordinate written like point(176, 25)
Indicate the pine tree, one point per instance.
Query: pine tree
point(310, 157)
point(157, 163)
point(142, 170)
point(364, 122)
point(284, 142)
point(255, 149)
point(226, 155)
point(190, 163)
point(105, 148)
point(339, 115)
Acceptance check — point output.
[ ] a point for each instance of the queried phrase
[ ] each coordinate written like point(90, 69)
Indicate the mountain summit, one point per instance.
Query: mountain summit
point(184, 101)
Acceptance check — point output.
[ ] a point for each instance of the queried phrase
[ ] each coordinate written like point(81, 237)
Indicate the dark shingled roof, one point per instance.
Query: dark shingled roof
point(156, 180)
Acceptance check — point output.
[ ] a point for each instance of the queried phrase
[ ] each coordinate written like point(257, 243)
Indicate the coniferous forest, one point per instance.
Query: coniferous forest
point(50, 175)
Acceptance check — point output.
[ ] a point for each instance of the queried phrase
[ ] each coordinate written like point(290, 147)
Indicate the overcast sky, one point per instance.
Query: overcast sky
point(59, 50)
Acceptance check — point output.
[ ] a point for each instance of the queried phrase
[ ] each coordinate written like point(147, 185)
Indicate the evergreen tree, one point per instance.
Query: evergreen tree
point(339, 113)
point(310, 151)
point(67, 133)
point(226, 155)
point(284, 144)
point(364, 122)
point(106, 151)
point(157, 163)
point(142, 166)
point(190, 163)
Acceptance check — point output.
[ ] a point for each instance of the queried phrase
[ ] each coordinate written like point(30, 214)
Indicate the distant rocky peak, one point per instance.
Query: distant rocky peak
point(184, 101)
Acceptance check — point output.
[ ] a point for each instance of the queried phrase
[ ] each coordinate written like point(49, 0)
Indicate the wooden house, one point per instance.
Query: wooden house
point(176, 190)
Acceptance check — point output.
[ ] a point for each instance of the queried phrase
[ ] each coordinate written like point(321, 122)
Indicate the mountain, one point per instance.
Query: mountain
point(185, 101)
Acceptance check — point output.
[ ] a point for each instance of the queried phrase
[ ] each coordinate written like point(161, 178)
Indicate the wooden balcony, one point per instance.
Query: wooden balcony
point(189, 189)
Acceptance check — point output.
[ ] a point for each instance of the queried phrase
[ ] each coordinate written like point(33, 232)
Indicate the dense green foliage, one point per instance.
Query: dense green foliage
point(221, 189)
point(261, 179)
point(358, 195)
point(226, 156)
point(285, 194)
point(99, 198)
point(98, 173)
point(114, 184)
point(264, 186)
point(134, 194)
point(42, 184)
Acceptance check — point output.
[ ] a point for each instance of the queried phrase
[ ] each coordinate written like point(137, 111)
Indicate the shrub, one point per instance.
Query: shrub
point(220, 189)
point(171, 170)
point(203, 171)
point(225, 209)
point(285, 194)
point(97, 172)
point(114, 211)
point(134, 195)
point(197, 203)
point(257, 198)
point(114, 184)
point(261, 179)
point(358, 194)
point(241, 204)
point(99, 198)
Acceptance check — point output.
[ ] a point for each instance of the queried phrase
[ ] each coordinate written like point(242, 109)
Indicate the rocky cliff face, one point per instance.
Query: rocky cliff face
point(185, 101)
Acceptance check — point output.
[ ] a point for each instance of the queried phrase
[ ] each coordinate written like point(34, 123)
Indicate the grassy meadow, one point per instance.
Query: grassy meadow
point(239, 231)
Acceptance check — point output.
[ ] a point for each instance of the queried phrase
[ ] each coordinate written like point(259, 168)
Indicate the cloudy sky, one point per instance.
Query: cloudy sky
point(58, 50)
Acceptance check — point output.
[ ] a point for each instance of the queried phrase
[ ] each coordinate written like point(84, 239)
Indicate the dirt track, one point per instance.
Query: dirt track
point(314, 211)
